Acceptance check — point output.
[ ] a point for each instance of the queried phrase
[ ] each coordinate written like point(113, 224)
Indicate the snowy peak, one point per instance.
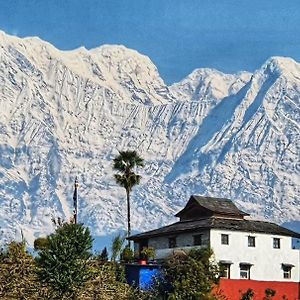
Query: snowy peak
point(209, 85)
point(281, 66)
point(247, 145)
point(134, 72)
point(128, 75)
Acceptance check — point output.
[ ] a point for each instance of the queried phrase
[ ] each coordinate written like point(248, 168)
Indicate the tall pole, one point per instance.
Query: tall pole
point(75, 200)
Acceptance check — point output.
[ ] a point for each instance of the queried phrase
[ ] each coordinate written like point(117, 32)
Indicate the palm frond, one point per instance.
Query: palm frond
point(126, 161)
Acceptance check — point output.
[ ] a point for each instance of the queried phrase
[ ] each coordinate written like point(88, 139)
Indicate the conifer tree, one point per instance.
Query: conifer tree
point(63, 263)
point(104, 255)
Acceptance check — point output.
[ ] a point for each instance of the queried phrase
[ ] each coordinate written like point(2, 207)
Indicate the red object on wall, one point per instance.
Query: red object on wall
point(234, 288)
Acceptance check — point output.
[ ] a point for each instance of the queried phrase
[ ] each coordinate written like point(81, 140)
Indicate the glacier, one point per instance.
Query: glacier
point(67, 113)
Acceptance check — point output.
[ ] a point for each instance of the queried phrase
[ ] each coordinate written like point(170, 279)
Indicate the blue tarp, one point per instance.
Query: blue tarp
point(142, 276)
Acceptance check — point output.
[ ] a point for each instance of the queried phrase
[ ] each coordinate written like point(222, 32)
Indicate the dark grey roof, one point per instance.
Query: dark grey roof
point(216, 205)
point(218, 223)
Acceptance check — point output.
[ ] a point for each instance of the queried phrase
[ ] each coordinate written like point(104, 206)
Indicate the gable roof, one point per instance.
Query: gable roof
point(215, 205)
point(217, 223)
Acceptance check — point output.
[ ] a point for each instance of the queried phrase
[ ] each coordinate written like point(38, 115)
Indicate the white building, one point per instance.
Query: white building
point(248, 249)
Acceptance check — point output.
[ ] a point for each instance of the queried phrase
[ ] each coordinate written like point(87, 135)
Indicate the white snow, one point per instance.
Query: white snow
point(67, 113)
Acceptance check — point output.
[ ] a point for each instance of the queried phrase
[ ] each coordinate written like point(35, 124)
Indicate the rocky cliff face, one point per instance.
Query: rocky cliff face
point(67, 113)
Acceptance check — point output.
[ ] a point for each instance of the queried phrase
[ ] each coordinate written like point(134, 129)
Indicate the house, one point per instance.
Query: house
point(254, 254)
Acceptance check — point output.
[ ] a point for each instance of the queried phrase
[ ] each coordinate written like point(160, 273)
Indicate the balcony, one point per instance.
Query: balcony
point(166, 252)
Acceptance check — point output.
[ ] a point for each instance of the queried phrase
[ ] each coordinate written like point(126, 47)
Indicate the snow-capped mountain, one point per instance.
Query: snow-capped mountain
point(67, 113)
point(209, 85)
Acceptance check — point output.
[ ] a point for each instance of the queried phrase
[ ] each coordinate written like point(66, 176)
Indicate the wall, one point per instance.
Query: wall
point(184, 242)
point(265, 259)
point(233, 289)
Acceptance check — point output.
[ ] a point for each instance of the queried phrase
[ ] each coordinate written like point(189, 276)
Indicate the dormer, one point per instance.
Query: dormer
point(199, 207)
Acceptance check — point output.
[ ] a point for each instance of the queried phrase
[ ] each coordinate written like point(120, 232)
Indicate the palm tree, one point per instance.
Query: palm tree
point(125, 163)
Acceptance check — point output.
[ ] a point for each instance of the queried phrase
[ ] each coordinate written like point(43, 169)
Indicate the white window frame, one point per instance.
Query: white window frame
point(245, 271)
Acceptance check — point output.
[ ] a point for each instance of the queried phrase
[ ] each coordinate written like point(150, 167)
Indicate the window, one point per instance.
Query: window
point(225, 270)
point(287, 271)
point(224, 239)
point(251, 241)
point(172, 242)
point(197, 240)
point(245, 271)
point(276, 243)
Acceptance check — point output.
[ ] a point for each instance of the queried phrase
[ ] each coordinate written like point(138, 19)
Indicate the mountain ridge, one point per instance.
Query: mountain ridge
point(56, 123)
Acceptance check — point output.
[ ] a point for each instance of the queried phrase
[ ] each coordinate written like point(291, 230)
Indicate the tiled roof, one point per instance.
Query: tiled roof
point(218, 223)
point(216, 205)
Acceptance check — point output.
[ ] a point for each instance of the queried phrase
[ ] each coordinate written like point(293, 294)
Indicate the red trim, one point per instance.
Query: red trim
point(233, 288)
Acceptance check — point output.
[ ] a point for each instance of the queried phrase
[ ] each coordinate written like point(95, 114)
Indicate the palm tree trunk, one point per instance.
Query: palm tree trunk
point(128, 215)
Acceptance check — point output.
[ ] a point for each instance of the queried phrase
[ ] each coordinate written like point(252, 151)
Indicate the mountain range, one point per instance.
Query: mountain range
point(67, 113)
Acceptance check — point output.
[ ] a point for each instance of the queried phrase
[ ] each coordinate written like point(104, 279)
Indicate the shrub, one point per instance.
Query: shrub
point(248, 295)
point(127, 255)
point(40, 244)
point(270, 293)
point(191, 276)
point(18, 279)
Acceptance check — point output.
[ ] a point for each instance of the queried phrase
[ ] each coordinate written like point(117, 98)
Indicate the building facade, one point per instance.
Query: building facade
point(257, 251)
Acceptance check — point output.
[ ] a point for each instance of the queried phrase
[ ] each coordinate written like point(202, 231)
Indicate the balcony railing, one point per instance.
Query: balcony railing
point(166, 252)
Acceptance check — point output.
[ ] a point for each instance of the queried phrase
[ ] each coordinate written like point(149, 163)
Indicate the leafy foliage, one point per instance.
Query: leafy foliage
point(191, 276)
point(270, 293)
point(248, 295)
point(117, 245)
point(104, 283)
point(40, 244)
point(63, 264)
point(148, 253)
point(18, 278)
point(127, 255)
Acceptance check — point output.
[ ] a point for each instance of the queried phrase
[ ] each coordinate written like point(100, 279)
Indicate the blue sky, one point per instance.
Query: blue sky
point(178, 36)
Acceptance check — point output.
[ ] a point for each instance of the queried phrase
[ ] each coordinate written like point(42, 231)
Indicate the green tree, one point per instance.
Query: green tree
point(104, 255)
point(191, 276)
point(117, 246)
point(125, 163)
point(63, 263)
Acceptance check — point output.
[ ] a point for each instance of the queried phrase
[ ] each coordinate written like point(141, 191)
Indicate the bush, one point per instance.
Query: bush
point(40, 244)
point(148, 253)
point(127, 255)
point(104, 283)
point(248, 295)
point(270, 293)
point(190, 276)
point(18, 279)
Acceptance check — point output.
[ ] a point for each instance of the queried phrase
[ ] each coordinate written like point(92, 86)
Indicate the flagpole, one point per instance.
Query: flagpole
point(75, 200)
